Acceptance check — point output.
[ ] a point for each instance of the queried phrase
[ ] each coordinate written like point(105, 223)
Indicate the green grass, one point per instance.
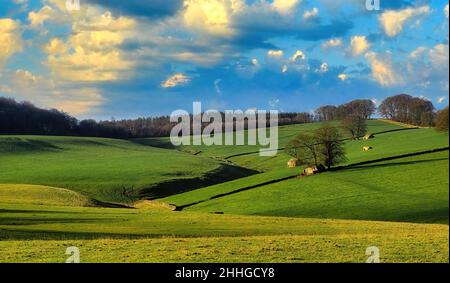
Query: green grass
point(105, 169)
point(41, 195)
point(285, 133)
point(413, 189)
point(41, 233)
point(330, 217)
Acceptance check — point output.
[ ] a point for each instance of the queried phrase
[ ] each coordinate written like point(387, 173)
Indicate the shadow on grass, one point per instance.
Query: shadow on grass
point(223, 174)
point(47, 220)
point(18, 145)
point(369, 162)
point(23, 234)
point(390, 164)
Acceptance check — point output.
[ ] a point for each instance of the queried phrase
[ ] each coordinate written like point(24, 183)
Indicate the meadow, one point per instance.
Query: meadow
point(36, 227)
point(108, 170)
point(145, 200)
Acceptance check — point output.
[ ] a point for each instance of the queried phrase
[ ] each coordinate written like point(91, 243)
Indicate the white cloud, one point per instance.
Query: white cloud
point(285, 6)
point(393, 22)
point(212, 16)
point(311, 14)
point(334, 42)
point(38, 18)
point(10, 39)
point(275, 53)
point(323, 68)
point(417, 53)
point(359, 45)
point(439, 56)
point(383, 70)
point(298, 55)
point(441, 99)
point(176, 80)
point(343, 77)
point(446, 10)
point(47, 93)
point(92, 53)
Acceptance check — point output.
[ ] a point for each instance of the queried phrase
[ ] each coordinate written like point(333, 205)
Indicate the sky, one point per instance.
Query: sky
point(128, 59)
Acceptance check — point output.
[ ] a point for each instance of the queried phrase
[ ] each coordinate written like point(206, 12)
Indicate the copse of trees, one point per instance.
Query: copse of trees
point(325, 146)
point(407, 109)
point(363, 108)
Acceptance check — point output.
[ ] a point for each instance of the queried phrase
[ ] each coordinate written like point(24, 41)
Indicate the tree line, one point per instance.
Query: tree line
point(25, 118)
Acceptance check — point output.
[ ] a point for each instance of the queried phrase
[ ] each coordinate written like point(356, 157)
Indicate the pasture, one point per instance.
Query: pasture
point(223, 203)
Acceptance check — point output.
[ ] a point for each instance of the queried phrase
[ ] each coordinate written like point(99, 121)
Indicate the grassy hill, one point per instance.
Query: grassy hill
point(31, 232)
point(104, 169)
point(272, 216)
point(413, 189)
point(41, 195)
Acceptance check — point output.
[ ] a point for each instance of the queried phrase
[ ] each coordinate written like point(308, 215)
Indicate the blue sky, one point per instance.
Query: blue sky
point(127, 59)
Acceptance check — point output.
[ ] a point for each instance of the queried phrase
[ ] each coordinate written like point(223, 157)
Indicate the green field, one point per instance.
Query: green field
point(235, 206)
point(105, 169)
point(32, 232)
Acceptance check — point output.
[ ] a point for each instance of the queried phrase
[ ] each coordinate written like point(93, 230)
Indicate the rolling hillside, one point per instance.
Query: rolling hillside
point(61, 191)
point(105, 169)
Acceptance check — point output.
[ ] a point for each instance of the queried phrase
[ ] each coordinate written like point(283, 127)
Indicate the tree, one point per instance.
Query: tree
point(442, 120)
point(407, 109)
point(331, 145)
point(356, 125)
point(326, 113)
point(304, 147)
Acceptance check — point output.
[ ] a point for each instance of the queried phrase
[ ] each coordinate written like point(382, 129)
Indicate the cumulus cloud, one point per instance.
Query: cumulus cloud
point(418, 52)
point(441, 99)
point(446, 11)
point(175, 80)
point(343, 77)
point(213, 16)
point(10, 39)
point(323, 68)
point(299, 55)
point(92, 53)
point(275, 53)
point(285, 6)
point(77, 103)
point(383, 70)
point(393, 21)
point(45, 92)
point(331, 43)
point(311, 14)
point(38, 18)
point(359, 45)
